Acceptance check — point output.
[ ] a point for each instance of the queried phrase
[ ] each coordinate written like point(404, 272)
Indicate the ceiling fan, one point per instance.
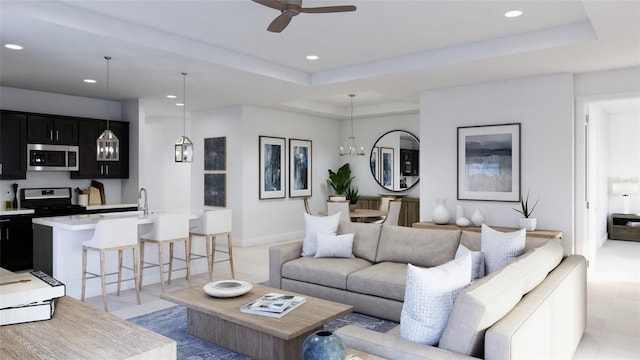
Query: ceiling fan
point(291, 8)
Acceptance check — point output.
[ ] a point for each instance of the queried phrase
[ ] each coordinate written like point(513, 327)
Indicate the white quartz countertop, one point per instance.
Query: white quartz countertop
point(88, 221)
point(110, 206)
point(10, 212)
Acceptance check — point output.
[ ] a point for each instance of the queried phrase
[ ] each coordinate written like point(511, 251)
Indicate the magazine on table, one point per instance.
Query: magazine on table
point(273, 305)
point(26, 288)
point(41, 310)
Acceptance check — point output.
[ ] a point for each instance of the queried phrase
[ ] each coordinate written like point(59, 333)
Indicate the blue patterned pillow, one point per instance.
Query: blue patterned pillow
point(429, 297)
point(499, 248)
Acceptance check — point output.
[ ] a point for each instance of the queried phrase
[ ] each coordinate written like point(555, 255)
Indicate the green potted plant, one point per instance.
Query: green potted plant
point(526, 221)
point(340, 180)
point(353, 196)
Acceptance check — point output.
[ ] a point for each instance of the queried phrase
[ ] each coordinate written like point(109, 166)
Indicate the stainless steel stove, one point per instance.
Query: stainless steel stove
point(50, 201)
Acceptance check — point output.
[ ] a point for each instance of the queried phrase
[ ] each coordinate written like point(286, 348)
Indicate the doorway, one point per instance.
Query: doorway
point(604, 154)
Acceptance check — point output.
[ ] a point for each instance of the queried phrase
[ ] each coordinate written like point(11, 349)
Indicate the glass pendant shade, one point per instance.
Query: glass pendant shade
point(184, 149)
point(352, 149)
point(108, 146)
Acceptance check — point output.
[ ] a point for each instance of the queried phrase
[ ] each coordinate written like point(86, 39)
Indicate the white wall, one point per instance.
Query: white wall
point(544, 107)
point(367, 131)
point(57, 104)
point(624, 156)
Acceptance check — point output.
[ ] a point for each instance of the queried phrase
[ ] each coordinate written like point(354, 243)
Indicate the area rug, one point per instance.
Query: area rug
point(172, 323)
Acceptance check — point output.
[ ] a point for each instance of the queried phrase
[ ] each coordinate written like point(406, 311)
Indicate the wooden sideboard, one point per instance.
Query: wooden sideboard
point(409, 211)
point(551, 234)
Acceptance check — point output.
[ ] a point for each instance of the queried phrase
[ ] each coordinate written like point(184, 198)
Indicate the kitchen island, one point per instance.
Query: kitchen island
point(57, 250)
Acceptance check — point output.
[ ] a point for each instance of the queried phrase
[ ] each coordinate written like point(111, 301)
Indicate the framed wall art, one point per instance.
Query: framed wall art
point(215, 154)
point(386, 170)
point(299, 167)
point(374, 163)
point(272, 167)
point(215, 190)
point(489, 162)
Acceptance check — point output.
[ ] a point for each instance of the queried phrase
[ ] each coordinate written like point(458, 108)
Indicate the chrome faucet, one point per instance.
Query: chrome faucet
point(145, 207)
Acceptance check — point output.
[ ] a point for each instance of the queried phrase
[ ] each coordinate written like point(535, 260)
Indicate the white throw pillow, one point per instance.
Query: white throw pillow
point(334, 246)
point(499, 248)
point(429, 297)
point(477, 261)
point(317, 224)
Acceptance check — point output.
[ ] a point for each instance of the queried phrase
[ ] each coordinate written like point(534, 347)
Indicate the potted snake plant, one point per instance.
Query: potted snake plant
point(526, 221)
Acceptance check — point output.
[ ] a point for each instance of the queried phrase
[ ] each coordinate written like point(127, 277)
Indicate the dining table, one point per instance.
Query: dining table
point(360, 215)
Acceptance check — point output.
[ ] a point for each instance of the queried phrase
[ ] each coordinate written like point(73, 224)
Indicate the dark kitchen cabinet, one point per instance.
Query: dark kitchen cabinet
point(48, 129)
point(16, 242)
point(410, 160)
point(89, 166)
point(13, 145)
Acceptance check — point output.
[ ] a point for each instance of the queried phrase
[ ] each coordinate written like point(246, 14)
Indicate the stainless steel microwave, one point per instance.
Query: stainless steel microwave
point(44, 157)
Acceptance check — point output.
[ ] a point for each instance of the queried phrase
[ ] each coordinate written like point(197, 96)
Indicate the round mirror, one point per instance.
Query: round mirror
point(394, 160)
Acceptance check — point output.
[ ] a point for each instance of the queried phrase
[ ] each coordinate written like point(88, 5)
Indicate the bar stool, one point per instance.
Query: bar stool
point(210, 225)
point(167, 229)
point(111, 235)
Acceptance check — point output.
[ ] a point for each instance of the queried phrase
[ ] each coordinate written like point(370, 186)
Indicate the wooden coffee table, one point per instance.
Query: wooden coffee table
point(220, 321)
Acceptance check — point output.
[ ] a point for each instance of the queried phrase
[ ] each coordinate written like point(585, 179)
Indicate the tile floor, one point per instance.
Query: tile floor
point(613, 297)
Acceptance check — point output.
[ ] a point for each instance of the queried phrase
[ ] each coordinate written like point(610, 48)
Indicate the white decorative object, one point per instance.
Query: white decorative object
point(227, 288)
point(528, 223)
point(459, 212)
point(463, 222)
point(440, 213)
point(477, 219)
point(500, 248)
point(429, 296)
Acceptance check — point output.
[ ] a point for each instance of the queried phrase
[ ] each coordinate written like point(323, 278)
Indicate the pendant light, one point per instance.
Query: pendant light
point(351, 148)
point(107, 144)
point(184, 146)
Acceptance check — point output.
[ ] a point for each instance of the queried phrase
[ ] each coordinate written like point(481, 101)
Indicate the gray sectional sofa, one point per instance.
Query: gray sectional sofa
point(534, 307)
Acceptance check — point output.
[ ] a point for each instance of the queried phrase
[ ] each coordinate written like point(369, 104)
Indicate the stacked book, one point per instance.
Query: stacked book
point(273, 305)
point(28, 297)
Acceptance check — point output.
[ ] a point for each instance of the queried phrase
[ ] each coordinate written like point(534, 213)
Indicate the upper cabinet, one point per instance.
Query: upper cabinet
point(90, 167)
point(48, 129)
point(13, 145)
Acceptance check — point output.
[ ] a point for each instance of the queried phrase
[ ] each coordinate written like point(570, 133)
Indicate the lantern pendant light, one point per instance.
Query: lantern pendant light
point(184, 146)
point(107, 144)
point(352, 150)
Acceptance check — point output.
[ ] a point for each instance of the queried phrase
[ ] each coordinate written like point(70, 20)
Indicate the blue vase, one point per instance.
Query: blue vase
point(323, 345)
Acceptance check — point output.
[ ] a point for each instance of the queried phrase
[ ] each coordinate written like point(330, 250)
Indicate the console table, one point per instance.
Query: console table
point(550, 234)
point(620, 228)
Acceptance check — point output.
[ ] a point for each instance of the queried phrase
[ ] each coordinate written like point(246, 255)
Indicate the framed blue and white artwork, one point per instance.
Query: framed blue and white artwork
point(300, 161)
point(272, 167)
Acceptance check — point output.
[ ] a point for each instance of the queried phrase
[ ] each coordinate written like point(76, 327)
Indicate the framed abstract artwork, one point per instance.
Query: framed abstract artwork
point(386, 169)
point(215, 190)
point(215, 154)
point(374, 163)
point(300, 161)
point(272, 167)
point(489, 162)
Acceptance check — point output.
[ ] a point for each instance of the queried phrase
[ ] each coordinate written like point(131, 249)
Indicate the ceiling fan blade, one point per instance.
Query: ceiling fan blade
point(274, 4)
point(328, 9)
point(279, 23)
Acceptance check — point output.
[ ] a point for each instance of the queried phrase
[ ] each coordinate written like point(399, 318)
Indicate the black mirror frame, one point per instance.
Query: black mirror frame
point(371, 152)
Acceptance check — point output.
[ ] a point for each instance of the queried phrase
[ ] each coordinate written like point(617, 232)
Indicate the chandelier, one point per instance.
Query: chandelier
point(351, 149)
point(107, 144)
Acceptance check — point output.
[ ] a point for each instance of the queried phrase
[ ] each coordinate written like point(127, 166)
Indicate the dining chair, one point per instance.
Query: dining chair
point(393, 213)
point(342, 207)
point(384, 206)
point(307, 208)
point(167, 229)
point(112, 235)
point(210, 225)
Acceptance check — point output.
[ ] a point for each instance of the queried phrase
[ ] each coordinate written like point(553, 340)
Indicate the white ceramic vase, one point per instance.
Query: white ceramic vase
point(477, 219)
point(440, 213)
point(528, 223)
point(459, 212)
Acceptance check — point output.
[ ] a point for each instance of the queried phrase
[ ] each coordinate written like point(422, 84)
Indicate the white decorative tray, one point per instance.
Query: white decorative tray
point(227, 288)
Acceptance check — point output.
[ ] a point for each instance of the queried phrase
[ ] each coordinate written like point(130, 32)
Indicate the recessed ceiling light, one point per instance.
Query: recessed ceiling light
point(13, 46)
point(312, 57)
point(171, 96)
point(89, 81)
point(513, 13)
point(179, 104)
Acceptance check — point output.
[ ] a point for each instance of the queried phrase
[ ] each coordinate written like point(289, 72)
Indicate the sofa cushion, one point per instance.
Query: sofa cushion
point(477, 261)
point(472, 239)
point(334, 246)
point(314, 225)
point(536, 263)
point(421, 247)
point(429, 297)
point(500, 248)
point(330, 272)
point(478, 307)
point(386, 280)
point(365, 240)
